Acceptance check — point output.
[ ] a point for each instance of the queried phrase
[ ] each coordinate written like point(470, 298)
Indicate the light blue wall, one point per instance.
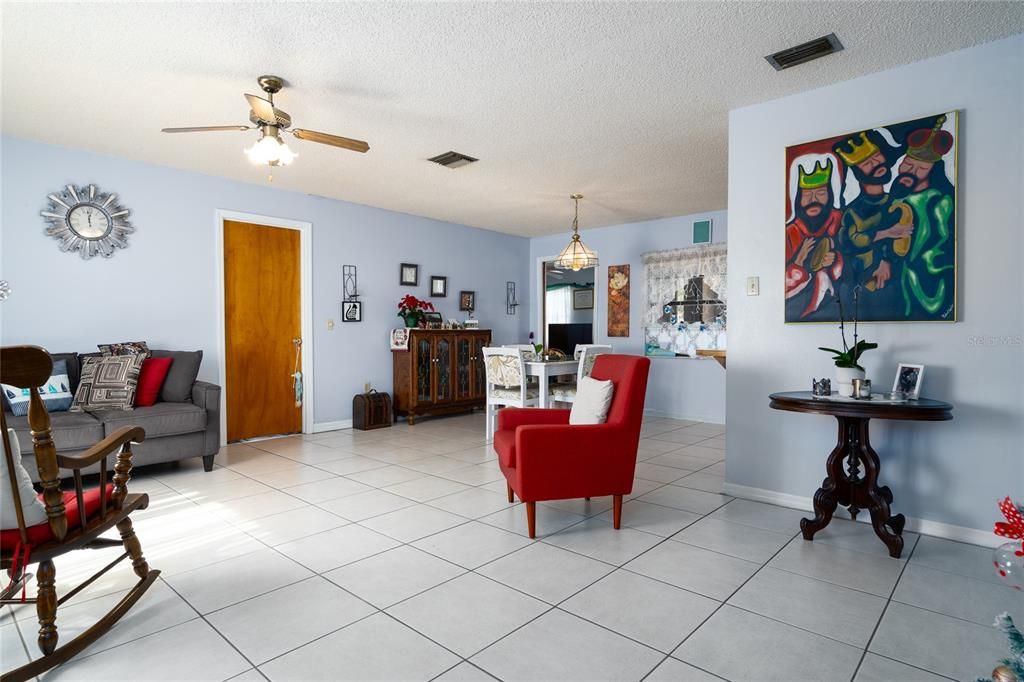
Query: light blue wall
point(162, 288)
point(949, 472)
point(693, 389)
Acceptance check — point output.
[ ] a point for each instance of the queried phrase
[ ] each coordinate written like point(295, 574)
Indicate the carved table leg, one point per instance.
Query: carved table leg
point(846, 484)
point(46, 606)
point(825, 499)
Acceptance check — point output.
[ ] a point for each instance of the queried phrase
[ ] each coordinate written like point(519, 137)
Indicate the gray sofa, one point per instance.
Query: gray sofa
point(186, 426)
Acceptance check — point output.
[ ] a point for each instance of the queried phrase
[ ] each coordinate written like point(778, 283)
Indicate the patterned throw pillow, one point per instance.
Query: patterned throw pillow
point(108, 383)
point(124, 348)
point(56, 393)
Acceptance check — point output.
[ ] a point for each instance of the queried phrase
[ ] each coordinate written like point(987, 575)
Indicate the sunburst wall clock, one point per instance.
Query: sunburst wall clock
point(87, 220)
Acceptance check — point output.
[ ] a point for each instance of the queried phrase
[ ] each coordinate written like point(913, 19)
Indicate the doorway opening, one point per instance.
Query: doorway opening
point(568, 304)
point(265, 317)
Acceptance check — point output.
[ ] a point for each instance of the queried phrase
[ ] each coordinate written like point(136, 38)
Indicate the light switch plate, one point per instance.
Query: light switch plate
point(753, 286)
point(330, 325)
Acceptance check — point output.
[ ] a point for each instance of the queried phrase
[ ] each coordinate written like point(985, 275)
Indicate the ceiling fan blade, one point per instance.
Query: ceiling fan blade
point(202, 129)
point(333, 140)
point(264, 108)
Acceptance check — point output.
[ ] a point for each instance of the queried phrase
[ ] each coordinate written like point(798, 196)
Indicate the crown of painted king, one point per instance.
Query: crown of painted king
point(854, 152)
point(930, 144)
point(819, 177)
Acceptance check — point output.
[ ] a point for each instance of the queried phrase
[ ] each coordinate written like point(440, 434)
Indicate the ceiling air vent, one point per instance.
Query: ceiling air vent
point(805, 52)
point(452, 160)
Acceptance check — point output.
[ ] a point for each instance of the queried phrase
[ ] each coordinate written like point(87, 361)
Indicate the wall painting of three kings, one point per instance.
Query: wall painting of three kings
point(874, 209)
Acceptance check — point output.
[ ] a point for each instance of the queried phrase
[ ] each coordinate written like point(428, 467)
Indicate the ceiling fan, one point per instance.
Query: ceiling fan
point(270, 121)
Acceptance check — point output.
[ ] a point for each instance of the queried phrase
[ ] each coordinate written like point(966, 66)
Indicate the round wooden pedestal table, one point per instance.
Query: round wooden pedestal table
point(852, 469)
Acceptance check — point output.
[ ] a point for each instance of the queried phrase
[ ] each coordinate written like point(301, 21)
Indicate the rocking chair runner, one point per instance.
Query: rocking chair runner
point(75, 520)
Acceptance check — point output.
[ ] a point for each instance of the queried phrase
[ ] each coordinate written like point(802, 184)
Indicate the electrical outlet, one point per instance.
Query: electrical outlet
point(330, 325)
point(753, 286)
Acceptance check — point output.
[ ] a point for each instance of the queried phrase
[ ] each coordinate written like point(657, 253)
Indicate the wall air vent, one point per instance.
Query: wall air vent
point(805, 52)
point(452, 160)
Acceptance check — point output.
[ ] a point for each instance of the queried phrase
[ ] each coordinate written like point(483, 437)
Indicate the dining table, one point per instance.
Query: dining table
point(545, 369)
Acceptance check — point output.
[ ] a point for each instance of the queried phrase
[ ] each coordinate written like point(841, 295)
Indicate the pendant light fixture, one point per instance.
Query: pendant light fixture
point(576, 255)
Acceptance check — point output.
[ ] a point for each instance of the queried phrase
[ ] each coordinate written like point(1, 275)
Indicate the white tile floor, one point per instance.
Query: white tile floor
point(395, 555)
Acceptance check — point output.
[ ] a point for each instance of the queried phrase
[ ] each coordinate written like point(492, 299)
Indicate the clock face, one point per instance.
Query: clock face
point(89, 221)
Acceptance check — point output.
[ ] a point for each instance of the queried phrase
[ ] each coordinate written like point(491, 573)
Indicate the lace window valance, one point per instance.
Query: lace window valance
point(670, 273)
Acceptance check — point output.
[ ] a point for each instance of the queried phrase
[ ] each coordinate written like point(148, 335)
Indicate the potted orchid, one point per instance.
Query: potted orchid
point(847, 360)
point(537, 347)
point(411, 309)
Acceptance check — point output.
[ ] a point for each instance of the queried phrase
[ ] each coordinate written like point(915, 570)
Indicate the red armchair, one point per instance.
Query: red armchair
point(543, 457)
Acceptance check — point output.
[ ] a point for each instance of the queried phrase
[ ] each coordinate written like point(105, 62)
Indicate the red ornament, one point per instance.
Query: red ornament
point(1014, 526)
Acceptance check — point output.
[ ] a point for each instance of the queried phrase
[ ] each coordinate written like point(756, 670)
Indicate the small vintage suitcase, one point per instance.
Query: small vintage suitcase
point(371, 410)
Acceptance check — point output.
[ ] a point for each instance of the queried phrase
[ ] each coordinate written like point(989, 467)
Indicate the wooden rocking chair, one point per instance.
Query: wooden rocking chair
point(75, 520)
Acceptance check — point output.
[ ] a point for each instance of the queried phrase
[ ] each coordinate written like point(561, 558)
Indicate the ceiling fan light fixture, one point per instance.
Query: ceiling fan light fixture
point(269, 150)
point(576, 256)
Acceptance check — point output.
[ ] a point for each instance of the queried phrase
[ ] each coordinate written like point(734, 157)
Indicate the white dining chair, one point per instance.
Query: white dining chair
point(528, 348)
point(507, 384)
point(586, 353)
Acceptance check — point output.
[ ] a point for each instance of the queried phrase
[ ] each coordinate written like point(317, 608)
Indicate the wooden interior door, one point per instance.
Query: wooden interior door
point(262, 320)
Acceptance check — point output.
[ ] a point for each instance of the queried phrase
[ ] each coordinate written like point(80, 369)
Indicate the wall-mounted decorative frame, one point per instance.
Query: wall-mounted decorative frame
point(467, 301)
point(874, 210)
point(510, 298)
point(583, 299)
point(409, 275)
point(438, 286)
point(702, 231)
point(618, 300)
point(88, 221)
point(351, 311)
point(349, 283)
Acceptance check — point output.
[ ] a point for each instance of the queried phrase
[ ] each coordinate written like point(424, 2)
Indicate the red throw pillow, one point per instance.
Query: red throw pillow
point(151, 379)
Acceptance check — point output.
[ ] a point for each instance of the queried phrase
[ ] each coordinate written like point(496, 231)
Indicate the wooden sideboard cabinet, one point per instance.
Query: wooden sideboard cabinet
point(442, 371)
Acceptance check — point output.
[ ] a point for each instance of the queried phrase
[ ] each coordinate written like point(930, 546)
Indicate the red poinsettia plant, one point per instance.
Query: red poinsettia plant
point(411, 309)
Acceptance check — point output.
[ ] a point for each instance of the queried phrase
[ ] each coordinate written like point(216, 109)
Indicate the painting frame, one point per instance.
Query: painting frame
point(583, 299)
point(408, 275)
point(351, 311)
point(618, 300)
point(438, 286)
point(467, 301)
point(892, 234)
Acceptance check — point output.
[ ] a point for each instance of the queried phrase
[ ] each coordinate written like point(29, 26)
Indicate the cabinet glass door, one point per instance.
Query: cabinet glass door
point(423, 360)
point(443, 367)
point(479, 371)
point(463, 368)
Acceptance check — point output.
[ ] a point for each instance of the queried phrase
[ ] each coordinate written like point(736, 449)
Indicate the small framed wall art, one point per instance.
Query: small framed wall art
point(582, 299)
point(409, 275)
point(351, 311)
point(438, 286)
point(467, 301)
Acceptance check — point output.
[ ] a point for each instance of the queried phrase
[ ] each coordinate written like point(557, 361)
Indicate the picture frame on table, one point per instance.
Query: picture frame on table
point(471, 324)
point(351, 311)
point(409, 275)
point(432, 320)
point(400, 339)
point(908, 379)
point(438, 286)
point(467, 301)
point(583, 299)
